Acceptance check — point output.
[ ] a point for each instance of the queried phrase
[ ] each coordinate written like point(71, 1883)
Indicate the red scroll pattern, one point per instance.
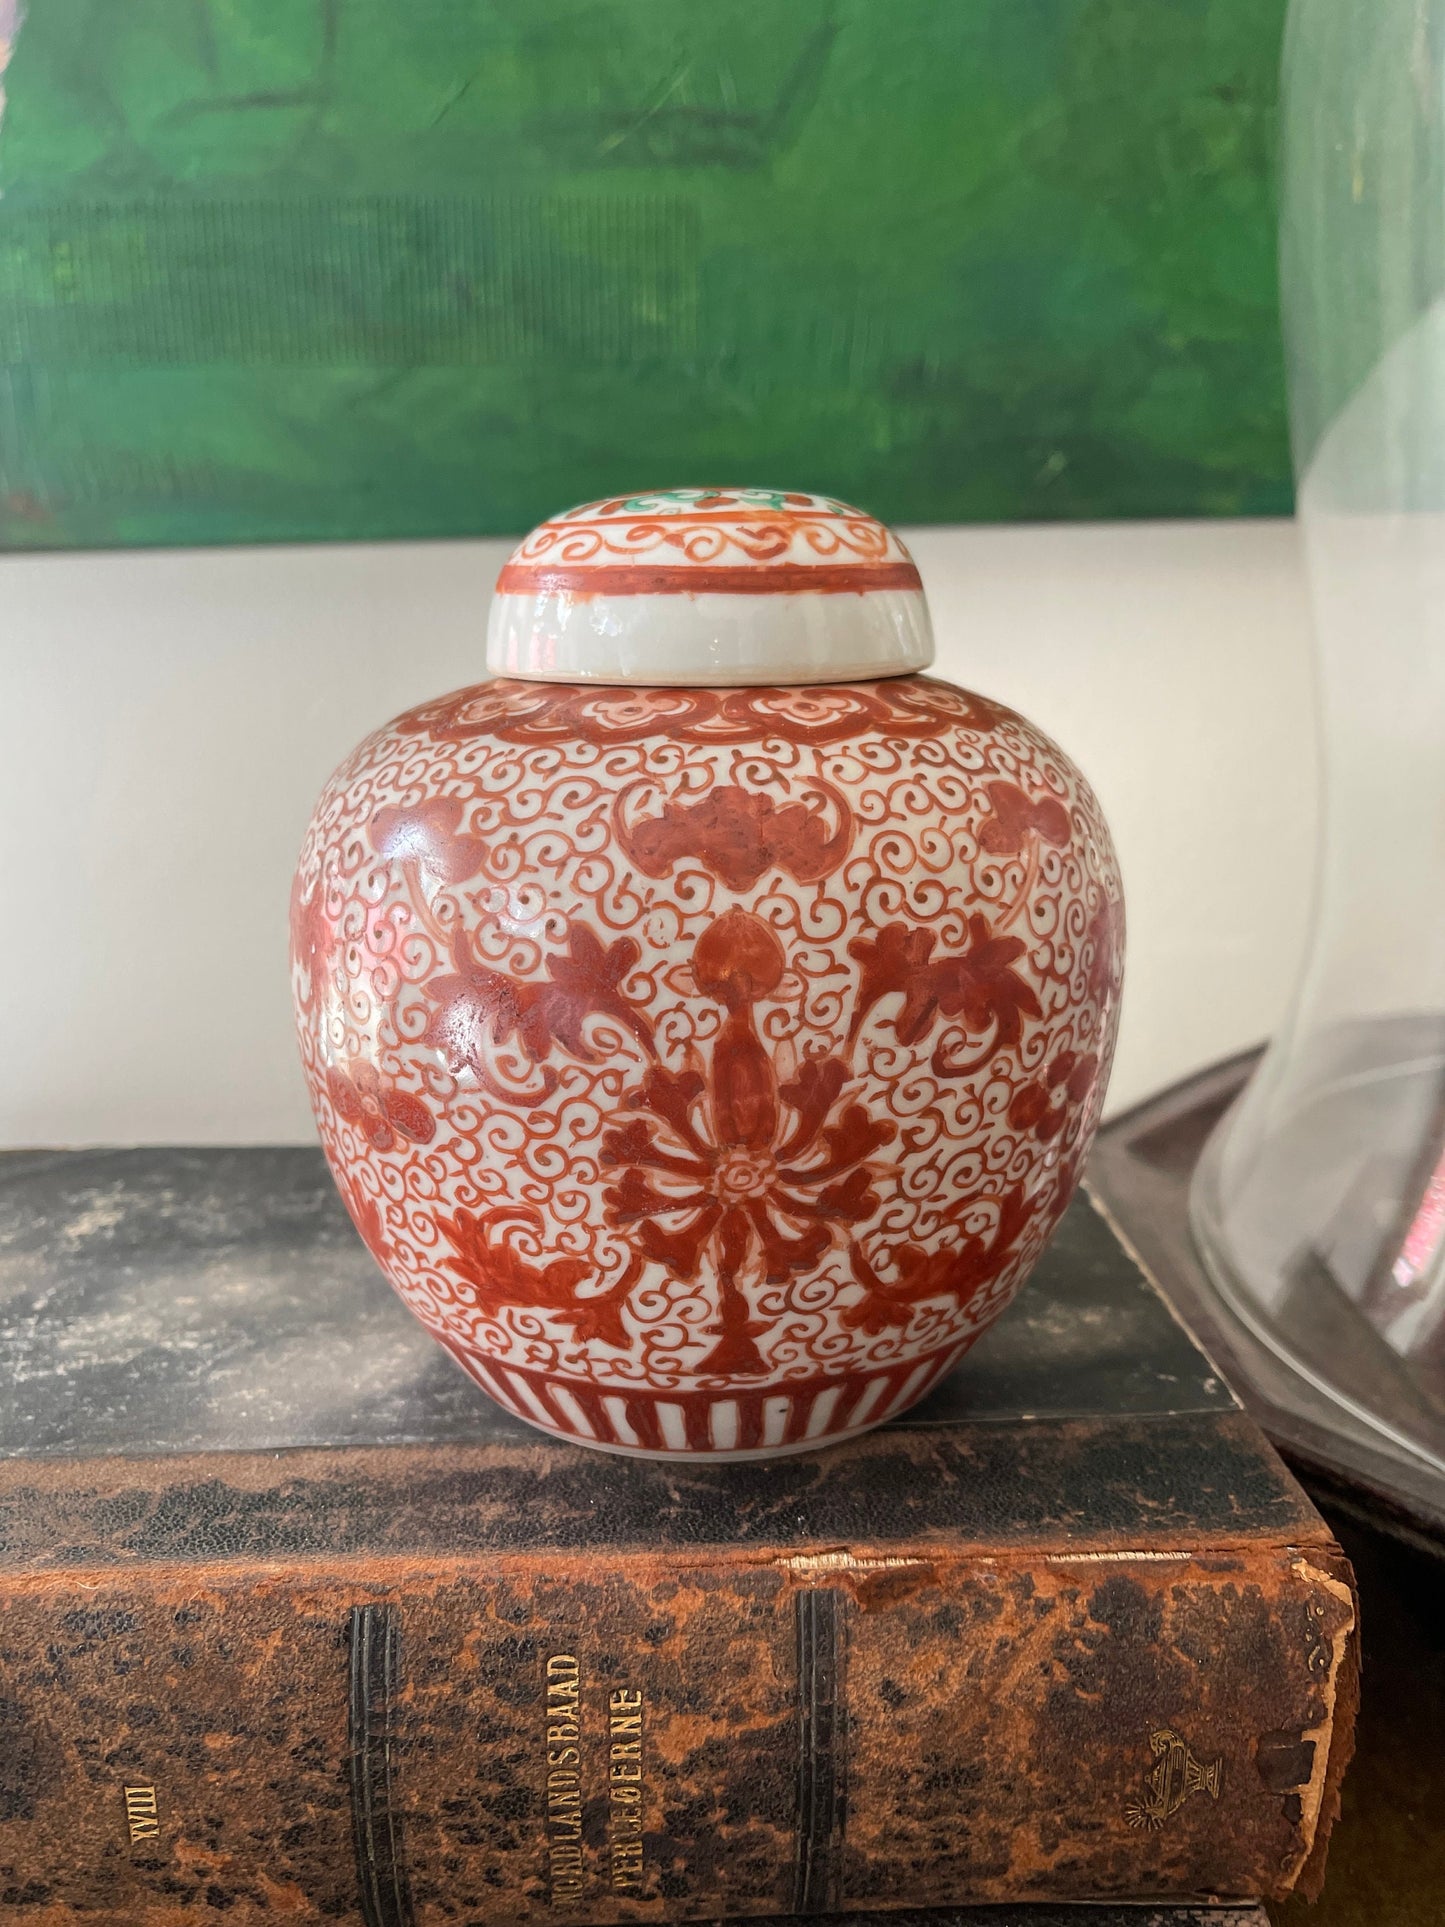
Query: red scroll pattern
point(691, 1059)
point(703, 526)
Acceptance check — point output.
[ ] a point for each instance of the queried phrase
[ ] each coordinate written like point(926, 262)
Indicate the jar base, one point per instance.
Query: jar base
point(770, 1421)
point(745, 1454)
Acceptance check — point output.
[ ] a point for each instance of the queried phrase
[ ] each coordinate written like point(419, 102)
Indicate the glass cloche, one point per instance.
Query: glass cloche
point(1320, 1203)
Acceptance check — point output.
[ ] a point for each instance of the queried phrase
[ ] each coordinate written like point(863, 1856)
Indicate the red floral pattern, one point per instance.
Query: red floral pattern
point(427, 836)
point(312, 939)
point(739, 835)
point(767, 1174)
point(981, 986)
point(1014, 815)
point(381, 1115)
point(523, 713)
point(958, 1269)
point(478, 1007)
point(707, 1065)
point(500, 1275)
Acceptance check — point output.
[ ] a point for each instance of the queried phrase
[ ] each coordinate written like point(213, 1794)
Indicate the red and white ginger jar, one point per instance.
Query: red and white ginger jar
point(706, 1024)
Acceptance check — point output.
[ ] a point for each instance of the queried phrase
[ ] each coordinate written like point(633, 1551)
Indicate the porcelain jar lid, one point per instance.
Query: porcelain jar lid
point(709, 587)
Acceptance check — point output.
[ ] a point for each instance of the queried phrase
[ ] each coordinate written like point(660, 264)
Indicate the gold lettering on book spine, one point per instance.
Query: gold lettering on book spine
point(142, 1815)
point(566, 1862)
point(1176, 1774)
point(626, 1790)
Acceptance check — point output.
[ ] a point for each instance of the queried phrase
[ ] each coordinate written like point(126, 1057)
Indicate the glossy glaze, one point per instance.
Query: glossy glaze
point(706, 1067)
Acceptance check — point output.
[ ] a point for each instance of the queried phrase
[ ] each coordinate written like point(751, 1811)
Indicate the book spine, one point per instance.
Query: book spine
point(698, 1737)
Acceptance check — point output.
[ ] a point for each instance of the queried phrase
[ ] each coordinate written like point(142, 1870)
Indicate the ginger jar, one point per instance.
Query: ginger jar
point(706, 1019)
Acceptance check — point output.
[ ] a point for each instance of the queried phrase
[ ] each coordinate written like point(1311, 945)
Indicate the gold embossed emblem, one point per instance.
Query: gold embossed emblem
point(142, 1815)
point(1174, 1775)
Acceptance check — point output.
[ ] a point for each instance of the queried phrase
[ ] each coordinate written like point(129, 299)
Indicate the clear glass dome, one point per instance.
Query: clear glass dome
point(1320, 1202)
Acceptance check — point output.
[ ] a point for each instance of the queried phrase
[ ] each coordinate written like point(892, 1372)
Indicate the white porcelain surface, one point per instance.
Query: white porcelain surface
point(714, 587)
point(706, 1066)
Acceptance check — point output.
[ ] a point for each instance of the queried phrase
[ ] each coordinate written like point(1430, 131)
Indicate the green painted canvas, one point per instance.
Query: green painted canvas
point(301, 269)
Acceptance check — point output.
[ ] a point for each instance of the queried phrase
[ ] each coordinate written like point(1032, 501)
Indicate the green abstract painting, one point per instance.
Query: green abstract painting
point(301, 269)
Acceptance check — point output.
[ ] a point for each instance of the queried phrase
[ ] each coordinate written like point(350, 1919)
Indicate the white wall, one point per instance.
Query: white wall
point(166, 720)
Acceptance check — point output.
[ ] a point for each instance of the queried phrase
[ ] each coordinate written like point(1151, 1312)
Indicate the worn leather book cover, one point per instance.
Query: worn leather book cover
point(295, 1626)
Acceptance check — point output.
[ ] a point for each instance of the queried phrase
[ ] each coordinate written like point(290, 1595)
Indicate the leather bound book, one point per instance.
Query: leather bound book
point(296, 1626)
